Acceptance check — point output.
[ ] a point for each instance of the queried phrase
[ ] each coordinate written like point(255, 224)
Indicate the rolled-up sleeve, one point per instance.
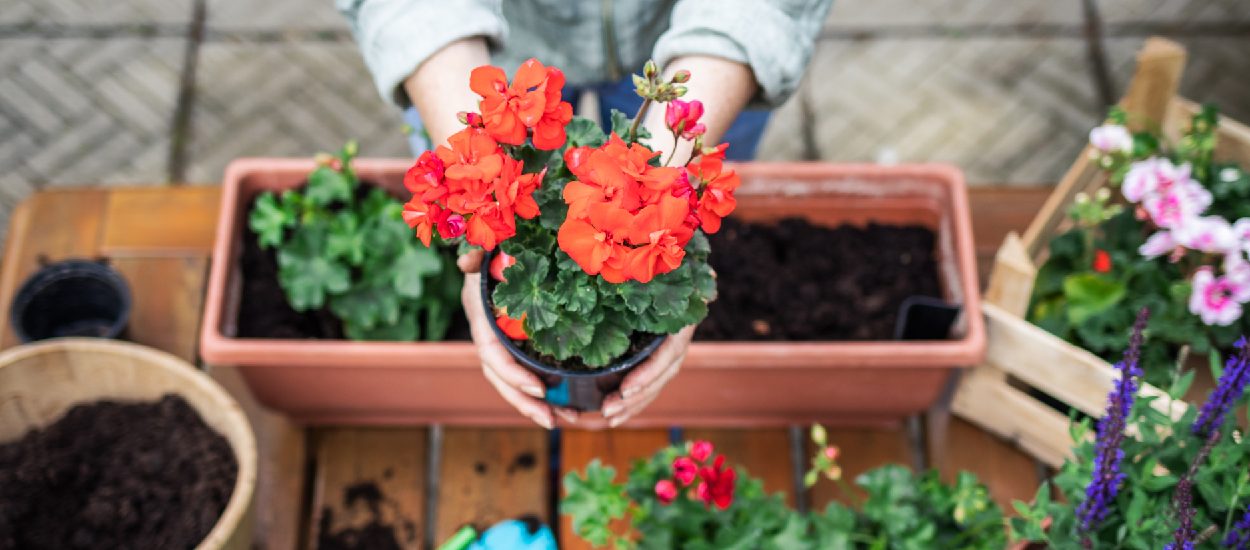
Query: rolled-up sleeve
point(396, 36)
point(773, 37)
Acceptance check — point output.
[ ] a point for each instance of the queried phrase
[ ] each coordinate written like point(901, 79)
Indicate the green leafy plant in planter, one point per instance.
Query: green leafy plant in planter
point(1175, 244)
point(686, 497)
point(1146, 479)
point(347, 248)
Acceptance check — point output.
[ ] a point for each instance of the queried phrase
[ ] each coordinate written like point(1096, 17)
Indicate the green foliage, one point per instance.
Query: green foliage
point(570, 315)
point(1158, 450)
point(1095, 311)
point(903, 511)
point(355, 255)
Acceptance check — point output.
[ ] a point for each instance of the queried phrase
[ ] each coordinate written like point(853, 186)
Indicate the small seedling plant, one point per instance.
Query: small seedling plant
point(1152, 475)
point(600, 241)
point(688, 497)
point(344, 246)
point(1171, 233)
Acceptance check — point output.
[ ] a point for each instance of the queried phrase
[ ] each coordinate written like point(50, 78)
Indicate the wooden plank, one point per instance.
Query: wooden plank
point(764, 452)
point(491, 475)
point(616, 448)
point(160, 220)
point(369, 487)
point(985, 399)
point(1156, 79)
point(861, 449)
point(1010, 474)
point(1011, 282)
point(54, 225)
point(282, 464)
point(168, 294)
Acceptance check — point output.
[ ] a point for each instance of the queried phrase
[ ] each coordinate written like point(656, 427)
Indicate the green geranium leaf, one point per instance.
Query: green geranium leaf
point(580, 295)
point(326, 186)
point(305, 274)
point(270, 218)
point(566, 338)
point(528, 292)
point(583, 132)
point(405, 329)
point(367, 305)
point(1090, 294)
point(610, 341)
point(412, 267)
point(346, 241)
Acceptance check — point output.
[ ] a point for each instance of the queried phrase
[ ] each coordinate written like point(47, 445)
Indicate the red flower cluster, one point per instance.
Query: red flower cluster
point(629, 220)
point(531, 102)
point(1102, 261)
point(716, 483)
point(471, 186)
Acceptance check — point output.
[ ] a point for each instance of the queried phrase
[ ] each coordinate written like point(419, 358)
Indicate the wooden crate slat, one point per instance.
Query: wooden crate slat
point(985, 399)
point(490, 475)
point(56, 225)
point(616, 448)
point(282, 461)
point(1009, 473)
point(166, 314)
point(861, 449)
point(157, 220)
point(764, 452)
point(1011, 281)
point(369, 477)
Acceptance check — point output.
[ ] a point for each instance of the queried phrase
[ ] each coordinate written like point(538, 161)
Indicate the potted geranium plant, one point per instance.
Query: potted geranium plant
point(595, 243)
point(688, 497)
point(1147, 479)
point(1176, 243)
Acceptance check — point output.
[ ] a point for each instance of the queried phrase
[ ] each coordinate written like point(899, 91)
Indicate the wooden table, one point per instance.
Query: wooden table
point(435, 480)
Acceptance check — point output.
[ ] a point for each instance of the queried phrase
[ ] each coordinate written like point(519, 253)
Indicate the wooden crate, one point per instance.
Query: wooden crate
point(1022, 356)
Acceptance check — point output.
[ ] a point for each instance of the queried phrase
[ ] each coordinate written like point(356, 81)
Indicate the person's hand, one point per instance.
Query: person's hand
point(518, 386)
point(642, 385)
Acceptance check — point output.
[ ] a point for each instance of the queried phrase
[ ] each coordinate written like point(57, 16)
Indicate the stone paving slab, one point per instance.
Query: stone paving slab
point(1174, 11)
point(96, 12)
point(1217, 70)
point(274, 14)
point(290, 99)
point(83, 111)
point(1007, 111)
point(857, 13)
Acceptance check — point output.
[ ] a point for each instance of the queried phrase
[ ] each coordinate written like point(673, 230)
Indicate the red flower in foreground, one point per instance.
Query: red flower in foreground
point(513, 328)
point(499, 263)
point(682, 117)
point(701, 450)
point(707, 173)
point(684, 470)
point(531, 101)
point(716, 485)
point(1102, 261)
point(665, 491)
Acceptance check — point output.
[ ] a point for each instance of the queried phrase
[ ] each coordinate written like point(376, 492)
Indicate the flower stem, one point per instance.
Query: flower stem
point(1232, 506)
point(642, 111)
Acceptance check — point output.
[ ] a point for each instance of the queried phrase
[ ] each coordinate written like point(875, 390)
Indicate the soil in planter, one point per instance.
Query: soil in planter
point(263, 308)
point(796, 281)
point(116, 475)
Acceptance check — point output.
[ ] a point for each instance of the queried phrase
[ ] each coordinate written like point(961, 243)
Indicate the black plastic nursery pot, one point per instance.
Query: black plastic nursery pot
point(71, 298)
point(580, 390)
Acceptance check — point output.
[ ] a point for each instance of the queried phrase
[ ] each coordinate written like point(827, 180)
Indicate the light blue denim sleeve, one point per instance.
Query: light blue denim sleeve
point(774, 37)
point(396, 36)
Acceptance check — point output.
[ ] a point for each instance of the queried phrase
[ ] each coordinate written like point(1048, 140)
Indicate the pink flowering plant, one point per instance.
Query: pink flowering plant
point(1170, 233)
point(689, 496)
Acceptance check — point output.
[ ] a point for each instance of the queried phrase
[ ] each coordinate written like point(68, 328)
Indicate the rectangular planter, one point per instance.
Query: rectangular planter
point(729, 384)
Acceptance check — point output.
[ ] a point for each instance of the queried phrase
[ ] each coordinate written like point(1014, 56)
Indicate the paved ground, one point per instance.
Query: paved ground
point(156, 91)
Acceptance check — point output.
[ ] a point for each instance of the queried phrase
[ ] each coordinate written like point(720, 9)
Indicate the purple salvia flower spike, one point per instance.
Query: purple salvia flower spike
point(1239, 537)
point(1106, 479)
point(1231, 387)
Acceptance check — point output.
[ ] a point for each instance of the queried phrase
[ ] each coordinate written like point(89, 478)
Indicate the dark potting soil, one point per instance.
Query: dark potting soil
point(796, 281)
point(263, 308)
point(372, 535)
point(116, 475)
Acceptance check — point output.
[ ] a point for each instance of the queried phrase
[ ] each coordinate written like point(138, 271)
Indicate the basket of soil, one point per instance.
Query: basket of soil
point(108, 444)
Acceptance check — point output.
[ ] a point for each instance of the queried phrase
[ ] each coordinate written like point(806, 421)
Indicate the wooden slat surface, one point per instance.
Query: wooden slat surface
point(490, 475)
point(369, 477)
point(616, 448)
point(55, 225)
point(860, 450)
point(160, 221)
point(765, 453)
point(167, 294)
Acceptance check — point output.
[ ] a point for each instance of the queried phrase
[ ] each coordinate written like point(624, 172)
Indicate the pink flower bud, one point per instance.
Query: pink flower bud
point(682, 117)
point(681, 77)
point(701, 450)
point(451, 226)
point(831, 453)
point(684, 470)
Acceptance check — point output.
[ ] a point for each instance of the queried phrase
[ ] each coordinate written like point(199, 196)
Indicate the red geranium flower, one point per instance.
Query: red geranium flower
point(684, 470)
point(701, 450)
point(513, 328)
point(499, 263)
point(1102, 261)
point(665, 491)
point(531, 101)
point(717, 485)
point(717, 186)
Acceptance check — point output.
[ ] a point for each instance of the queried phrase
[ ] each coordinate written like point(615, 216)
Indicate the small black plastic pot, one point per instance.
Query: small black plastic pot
point(578, 390)
point(71, 298)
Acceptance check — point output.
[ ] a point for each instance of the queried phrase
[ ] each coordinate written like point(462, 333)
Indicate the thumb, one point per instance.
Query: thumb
point(471, 262)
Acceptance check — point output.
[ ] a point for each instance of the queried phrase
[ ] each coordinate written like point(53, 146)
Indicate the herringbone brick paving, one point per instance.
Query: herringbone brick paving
point(89, 88)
